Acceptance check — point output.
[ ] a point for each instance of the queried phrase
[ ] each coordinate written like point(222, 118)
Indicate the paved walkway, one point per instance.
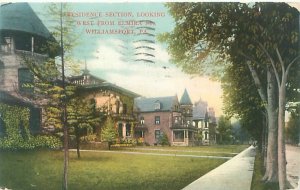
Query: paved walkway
point(235, 174)
point(293, 165)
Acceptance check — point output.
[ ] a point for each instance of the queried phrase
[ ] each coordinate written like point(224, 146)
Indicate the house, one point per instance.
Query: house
point(110, 100)
point(165, 116)
point(205, 121)
point(22, 35)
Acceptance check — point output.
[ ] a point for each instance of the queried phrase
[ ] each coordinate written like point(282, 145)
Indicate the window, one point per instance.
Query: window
point(25, 79)
point(128, 130)
point(120, 129)
point(157, 105)
point(2, 127)
point(142, 120)
point(206, 135)
point(176, 119)
point(157, 120)
point(117, 107)
point(124, 108)
point(157, 134)
point(1, 72)
point(178, 136)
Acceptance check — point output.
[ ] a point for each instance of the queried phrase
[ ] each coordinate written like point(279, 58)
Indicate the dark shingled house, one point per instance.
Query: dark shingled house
point(22, 34)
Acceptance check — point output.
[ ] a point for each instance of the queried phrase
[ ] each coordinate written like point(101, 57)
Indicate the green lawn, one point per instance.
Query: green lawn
point(217, 150)
point(95, 170)
point(257, 183)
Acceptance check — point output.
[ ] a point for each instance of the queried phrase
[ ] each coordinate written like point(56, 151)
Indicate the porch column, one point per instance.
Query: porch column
point(187, 136)
point(124, 130)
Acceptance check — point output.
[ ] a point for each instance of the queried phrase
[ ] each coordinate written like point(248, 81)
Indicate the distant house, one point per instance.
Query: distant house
point(110, 100)
point(165, 116)
point(205, 121)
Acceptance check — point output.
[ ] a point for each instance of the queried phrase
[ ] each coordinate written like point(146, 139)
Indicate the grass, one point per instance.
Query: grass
point(257, 183)
point(43, 170)
point(226, 151)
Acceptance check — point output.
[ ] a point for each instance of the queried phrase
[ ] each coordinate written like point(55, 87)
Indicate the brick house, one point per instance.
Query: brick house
point(165, 115)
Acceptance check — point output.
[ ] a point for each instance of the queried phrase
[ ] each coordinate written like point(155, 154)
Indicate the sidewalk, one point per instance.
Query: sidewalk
point(293, 165)
point(235, 174)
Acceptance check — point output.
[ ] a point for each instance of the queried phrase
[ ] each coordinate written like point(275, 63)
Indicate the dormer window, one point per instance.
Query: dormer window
point(157, 105)
point(142, 120)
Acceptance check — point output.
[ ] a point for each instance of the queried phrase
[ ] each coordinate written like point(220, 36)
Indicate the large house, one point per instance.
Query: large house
point(205, 121)
point(165, 116)
point(22, 35)
point(110, 100)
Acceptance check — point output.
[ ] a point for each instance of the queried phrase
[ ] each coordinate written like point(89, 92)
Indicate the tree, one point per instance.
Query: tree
point(64, 34)
point(109, 132)
point(225, 130)
point(241, 99)
point(238, 31)
point(81, 119)
point(51, 85)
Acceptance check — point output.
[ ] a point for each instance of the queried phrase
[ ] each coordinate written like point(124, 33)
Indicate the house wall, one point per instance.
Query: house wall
point(11, 64)
point(107, 101)
point(110, 103)
point(164, 126)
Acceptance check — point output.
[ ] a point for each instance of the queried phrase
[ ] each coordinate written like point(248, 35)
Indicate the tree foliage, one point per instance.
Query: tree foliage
point(14, 123)
point(224, 131)
point(109, 132)
point(82, 118)
point(263, 36)
point(293, 126)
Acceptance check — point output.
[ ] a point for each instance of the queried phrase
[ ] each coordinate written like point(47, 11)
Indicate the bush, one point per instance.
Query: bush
point(163, 140)
point(50, 142)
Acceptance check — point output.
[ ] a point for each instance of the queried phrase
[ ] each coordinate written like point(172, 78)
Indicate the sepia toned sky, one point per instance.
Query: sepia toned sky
point(112, 57)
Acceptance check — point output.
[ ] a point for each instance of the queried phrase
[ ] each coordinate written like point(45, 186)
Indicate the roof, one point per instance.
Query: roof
point(97, 80)
point(199, 110)
point(148, 104)
point(21, 17)
point(110, 86)
point(6, 97)
point(185, 99)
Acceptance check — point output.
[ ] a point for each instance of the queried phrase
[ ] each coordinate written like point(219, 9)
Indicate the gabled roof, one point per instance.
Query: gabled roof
point(185, 99)
point(148, 104)
point(21, 17)
point(110, 86)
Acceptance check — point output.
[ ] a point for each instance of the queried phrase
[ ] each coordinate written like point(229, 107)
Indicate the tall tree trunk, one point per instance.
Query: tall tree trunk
point(264, 138)
point(66, 149)
point(271, 173)
point(78, 144)
point(281, 137)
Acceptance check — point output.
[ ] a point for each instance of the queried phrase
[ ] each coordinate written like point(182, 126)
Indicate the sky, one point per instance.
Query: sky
point(117, 58)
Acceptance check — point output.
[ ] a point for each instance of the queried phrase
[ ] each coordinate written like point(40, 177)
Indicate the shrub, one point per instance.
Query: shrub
point(50, 142)
point(163, 140)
